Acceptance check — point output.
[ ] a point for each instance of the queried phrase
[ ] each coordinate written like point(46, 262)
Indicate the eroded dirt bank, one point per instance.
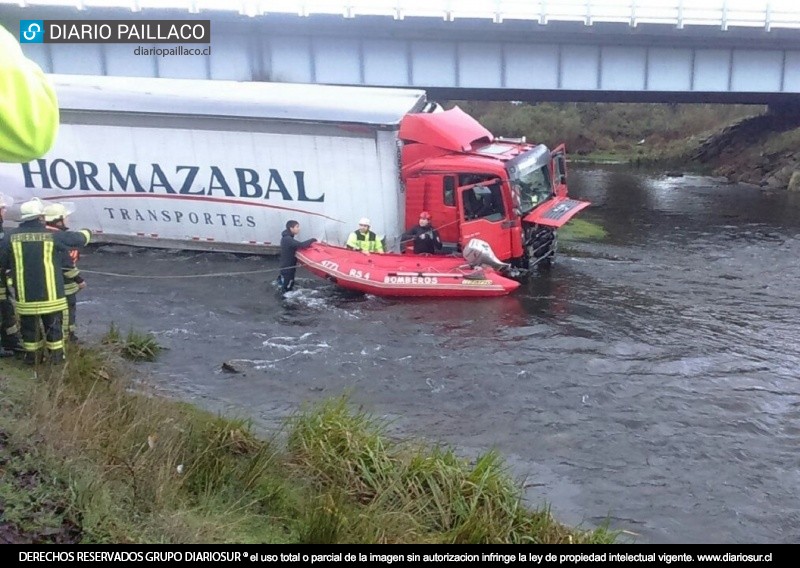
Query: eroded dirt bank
point(763, 150)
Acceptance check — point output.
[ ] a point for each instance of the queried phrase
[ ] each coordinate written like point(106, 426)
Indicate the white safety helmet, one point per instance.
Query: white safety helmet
point(6, 200)
point(364, 221)
point(56, 211)
point(31, 209)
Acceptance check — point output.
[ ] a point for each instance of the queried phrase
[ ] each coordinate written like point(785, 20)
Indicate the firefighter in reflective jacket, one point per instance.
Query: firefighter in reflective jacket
point(363, 239)
point(33, 255)
point(9, 331)
point(55, 216)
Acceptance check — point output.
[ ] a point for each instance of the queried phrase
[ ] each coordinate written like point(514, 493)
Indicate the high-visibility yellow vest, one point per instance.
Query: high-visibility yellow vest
point(368, 242)
point(28, 105)
point(34, 256)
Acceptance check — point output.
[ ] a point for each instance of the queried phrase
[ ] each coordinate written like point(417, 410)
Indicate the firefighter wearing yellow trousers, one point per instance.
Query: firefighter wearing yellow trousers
point(33, 255)
point(55, 216)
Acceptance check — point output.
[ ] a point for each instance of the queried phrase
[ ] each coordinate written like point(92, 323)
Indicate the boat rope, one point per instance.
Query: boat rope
point(177, 276)
point(402, 241)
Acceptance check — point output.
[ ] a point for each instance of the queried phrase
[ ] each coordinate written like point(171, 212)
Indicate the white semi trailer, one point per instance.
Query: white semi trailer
point(221, 165)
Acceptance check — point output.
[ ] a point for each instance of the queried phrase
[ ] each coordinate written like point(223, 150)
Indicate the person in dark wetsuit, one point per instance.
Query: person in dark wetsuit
point(426, 238)
point(288, 262)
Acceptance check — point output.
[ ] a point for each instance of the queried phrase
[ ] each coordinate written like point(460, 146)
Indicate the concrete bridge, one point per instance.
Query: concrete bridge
point(734, 51)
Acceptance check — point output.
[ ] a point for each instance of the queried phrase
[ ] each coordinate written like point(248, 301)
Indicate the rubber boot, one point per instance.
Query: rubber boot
point(57, 357)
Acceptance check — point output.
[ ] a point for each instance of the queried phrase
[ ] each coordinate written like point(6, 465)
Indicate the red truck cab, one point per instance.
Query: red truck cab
point(508, 193)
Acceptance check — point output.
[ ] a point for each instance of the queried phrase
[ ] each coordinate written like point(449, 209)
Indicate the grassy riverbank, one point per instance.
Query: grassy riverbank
point(88, 455)
point(577, 230)
point(612, 132)
point(745, 143)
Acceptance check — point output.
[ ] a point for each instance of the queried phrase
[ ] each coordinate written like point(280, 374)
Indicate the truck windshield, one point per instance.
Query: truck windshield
point(530, 177)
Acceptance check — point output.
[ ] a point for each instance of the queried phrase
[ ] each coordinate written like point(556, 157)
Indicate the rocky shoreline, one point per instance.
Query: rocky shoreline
point(763, 150)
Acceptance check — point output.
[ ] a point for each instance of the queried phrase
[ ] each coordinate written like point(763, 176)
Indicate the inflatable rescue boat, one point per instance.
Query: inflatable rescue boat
point(393, 274)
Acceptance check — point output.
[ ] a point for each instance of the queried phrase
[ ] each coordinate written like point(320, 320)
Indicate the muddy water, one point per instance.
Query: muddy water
point(652, 378)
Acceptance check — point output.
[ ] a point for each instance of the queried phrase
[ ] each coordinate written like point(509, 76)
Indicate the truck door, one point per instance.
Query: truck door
point(483, 215)
point(558, 169)
point(559, 209)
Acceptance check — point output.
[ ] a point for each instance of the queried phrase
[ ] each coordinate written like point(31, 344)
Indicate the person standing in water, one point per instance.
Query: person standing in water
point(289, 248)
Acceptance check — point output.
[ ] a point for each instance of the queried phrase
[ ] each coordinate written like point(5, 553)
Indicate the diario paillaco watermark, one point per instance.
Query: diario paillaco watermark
point(115, 31)
point(178, 50)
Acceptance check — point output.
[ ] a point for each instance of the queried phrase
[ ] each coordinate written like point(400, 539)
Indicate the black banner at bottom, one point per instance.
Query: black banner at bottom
point(338, 555)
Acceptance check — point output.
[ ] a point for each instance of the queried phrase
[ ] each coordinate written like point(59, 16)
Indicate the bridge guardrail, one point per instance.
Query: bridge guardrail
point(766, 14)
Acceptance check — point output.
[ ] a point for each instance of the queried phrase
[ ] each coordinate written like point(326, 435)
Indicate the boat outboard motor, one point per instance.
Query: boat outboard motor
point(478, 252)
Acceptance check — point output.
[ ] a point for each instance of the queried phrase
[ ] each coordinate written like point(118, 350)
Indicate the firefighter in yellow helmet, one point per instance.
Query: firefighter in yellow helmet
point(33, 255)
point(28, 105)
point(55, 217)
point(9, 331)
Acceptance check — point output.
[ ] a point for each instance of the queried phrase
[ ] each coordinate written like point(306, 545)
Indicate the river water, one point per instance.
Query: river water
point(651, 378)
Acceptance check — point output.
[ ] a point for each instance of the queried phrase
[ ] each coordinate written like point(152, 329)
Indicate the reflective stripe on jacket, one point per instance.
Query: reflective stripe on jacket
point(69, 266)
point(368, 242)
point(34, 256)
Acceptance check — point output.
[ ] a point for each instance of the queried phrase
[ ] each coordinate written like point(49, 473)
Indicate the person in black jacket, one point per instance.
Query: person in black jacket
point(33, 256)
point(55, 218)
point(289, 247)
point(9, 330)
point(426, 238)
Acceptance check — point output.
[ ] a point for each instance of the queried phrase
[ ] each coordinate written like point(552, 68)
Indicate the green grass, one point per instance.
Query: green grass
point(609, 131)
point(604, 157)
point(581, 230)
point(415, 492)
point(116, 464)
point(136, 346)
point(788, 141)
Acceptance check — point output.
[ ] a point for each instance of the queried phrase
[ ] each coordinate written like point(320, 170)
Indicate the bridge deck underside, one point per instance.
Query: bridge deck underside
point(476, 59)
